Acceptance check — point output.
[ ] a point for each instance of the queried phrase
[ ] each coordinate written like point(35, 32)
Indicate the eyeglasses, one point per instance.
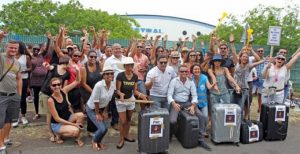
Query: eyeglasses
point(183, 71)
point(70, 49)
point(63, 63)
point(175, 57)
point(76, 56)
point(139, 46)
point(129, 65)
point(108, 73)
point(93, 57)
point(55, 85)
point(163, 63)
point(261, 51)
point(223, 48)
point(148, 48)
point(36, 49)
point(283, 52)
point(282, 59)
point(192, 55)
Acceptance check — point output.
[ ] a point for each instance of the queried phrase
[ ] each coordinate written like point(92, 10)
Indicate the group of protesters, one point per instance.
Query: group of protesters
point(97, 81)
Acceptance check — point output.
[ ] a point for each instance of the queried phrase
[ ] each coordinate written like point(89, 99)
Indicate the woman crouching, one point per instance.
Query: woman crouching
point(64, 121)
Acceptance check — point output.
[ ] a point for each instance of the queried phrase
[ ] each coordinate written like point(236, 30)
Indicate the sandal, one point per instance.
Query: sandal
point(79, 142)
point(120, 145)
point(52, 138)
point(102, 146)
point(59, 140)
point(2, 148)
point(8, 142)
point(95, 146)
point(37, 116)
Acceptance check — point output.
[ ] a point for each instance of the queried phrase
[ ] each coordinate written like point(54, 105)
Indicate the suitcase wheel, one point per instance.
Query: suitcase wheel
point(237, 144)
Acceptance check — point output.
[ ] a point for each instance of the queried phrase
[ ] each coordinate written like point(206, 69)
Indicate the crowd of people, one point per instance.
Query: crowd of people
point(95, 80)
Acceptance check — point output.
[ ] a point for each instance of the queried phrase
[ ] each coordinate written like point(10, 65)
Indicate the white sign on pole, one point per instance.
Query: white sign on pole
point(274, 35)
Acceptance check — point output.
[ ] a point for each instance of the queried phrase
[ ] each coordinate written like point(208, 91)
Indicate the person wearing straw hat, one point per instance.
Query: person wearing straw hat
point(97, 106)
point(126, 86)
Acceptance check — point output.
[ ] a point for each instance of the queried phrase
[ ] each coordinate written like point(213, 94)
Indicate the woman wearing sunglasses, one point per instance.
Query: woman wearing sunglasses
point(275, 76)
point(64, 121)
point(90, 75)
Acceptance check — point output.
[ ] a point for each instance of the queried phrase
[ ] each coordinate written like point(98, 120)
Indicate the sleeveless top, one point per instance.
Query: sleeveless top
point(61, 108)
point(201, 90)
point(222, 84)
point(93, 77)
point(23, 63)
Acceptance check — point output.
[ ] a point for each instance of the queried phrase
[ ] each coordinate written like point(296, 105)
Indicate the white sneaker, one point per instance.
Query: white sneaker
point(15, 124)
point(24, 121)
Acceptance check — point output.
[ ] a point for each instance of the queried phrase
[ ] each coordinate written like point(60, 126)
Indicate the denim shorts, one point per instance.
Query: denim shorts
point(56, 126)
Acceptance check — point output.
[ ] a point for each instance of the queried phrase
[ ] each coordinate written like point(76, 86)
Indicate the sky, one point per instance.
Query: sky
point(208, 11)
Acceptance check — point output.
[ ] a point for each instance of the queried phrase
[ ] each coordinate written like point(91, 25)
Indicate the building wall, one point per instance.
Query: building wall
point(172, 26)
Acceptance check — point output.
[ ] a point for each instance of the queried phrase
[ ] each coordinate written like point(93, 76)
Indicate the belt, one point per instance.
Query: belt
point(279, 90)
point(7, 94)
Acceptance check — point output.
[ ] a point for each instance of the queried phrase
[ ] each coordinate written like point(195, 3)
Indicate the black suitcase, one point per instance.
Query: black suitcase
point(153, 130)
point(274, 117)
point(251, 131)
point(187, 129)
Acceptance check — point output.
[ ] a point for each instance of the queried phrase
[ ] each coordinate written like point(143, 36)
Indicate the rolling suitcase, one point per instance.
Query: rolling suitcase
point(274, 117)
point(187, 129)
point(225, 123)
point(251, 130)
point(153, 130)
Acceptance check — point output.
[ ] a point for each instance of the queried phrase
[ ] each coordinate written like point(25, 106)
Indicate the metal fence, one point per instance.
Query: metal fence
point(34, 39)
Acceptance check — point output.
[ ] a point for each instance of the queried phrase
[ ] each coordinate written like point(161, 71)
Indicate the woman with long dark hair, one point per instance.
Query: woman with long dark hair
point(24, 58)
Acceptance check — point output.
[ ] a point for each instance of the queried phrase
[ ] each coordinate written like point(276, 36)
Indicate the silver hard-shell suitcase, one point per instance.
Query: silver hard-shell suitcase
point(225, 123)
point(153, 130)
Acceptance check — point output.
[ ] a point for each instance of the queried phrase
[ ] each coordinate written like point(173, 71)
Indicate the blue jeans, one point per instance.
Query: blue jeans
point(160, 102)
point(141, 87)
point(101, 127)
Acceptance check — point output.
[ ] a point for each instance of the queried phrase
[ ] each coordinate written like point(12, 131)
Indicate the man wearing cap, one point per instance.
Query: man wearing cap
point(10, 90)
point(174, 61)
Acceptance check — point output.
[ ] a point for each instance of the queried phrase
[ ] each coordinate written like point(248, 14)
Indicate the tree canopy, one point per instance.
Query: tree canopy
point(35, 17)
point(259, 19)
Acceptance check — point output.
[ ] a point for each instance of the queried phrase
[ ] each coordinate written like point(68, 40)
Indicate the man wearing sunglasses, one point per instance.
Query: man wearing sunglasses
point(229, 61)
point(179, 92)
point(157, 81)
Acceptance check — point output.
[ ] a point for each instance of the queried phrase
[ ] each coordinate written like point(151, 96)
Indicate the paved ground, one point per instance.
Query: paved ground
point(33, 139)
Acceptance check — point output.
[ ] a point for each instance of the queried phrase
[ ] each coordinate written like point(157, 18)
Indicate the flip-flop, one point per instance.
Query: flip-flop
point(102, 146)
point(95, 146)
point(79, 142)
point(8, 142)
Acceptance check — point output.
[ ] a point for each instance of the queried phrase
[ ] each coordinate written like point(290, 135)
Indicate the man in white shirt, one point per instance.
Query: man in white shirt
point(117, 57)
point(157, 81)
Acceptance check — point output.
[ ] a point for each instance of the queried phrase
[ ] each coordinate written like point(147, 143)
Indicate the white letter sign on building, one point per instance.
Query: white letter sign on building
point(274, 35)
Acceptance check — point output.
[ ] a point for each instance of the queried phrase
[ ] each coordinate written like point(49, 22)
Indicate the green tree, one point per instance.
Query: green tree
point(35, 17)
point(260, 18)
